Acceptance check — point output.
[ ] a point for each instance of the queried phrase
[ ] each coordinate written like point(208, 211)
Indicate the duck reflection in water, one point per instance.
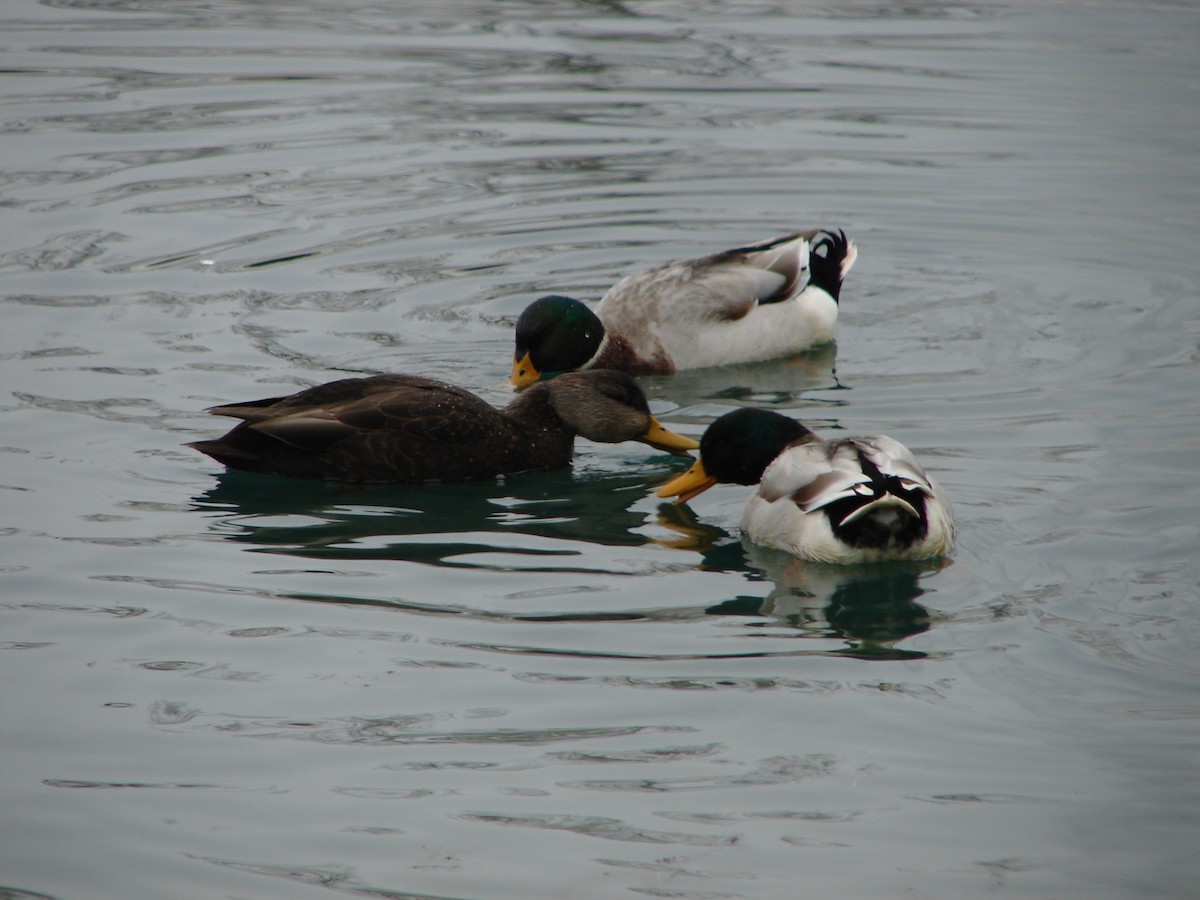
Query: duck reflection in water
point(549, 520)
point(872, 606)
point(440, 525)
point(781, 383)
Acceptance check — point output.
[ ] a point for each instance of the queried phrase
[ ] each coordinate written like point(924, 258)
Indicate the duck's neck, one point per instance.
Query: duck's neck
point(616, 352)
point(532, 411)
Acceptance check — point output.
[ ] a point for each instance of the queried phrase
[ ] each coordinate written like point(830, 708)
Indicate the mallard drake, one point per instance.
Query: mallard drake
point(403, 428)
point(743, 305)
point(858, 499)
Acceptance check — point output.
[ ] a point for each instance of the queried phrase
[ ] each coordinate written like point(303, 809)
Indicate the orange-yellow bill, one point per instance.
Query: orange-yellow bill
point(686, 486)
point(524, 373)
point(662, 439)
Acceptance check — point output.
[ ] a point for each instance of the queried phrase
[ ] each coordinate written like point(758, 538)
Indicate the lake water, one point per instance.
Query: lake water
point(555, 686)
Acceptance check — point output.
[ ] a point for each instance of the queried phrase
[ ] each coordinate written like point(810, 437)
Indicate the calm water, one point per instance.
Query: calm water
point(233, 686)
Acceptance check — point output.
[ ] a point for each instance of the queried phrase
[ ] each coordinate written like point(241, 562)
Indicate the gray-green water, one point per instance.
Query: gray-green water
point(229, 686)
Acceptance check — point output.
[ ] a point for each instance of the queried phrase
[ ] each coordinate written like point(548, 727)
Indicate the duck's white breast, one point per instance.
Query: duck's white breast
point(767, 332)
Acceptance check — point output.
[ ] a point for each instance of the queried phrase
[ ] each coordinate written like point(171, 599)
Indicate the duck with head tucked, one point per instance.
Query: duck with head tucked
point(762, 301)
point(850, 500)
point(404, 428)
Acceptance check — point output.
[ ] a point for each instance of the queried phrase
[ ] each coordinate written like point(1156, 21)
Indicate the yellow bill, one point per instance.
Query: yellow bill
point(686, 486)
point(524, 373)
point(659, 437)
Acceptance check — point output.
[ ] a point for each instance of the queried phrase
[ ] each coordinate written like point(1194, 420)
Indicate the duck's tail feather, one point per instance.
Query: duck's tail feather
point(827, 270)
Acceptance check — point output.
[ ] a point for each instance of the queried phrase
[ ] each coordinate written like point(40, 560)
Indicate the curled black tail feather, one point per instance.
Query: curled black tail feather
point(825, 271)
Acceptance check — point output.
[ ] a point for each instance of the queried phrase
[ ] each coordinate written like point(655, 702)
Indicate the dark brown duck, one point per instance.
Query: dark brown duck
point(404, 428)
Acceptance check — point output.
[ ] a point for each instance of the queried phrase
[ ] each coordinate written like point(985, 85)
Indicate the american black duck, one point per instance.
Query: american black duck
point(404, 428)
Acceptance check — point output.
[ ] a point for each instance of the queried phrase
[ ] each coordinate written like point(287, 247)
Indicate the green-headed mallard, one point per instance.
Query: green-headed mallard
point(403, 428)
point(859, 499)
point(762, 301)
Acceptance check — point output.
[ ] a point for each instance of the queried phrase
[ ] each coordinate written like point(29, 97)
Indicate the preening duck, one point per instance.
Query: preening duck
point(762, 301)
point(859, 499)
point(403, 428)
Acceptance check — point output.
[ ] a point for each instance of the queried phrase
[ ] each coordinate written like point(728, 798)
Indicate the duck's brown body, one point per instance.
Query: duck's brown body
point(404, 428)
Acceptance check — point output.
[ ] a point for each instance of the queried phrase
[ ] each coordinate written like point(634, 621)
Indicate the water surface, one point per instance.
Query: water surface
point(552, 685)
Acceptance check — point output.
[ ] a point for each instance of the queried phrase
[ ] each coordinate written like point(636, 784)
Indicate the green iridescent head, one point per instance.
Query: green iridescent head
point(554, 334)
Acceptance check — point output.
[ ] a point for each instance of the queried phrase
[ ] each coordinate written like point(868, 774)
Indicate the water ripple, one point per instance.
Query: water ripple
point(776, 771)
point(365, 793)
point(602, 827)
point(65, 250)
point(694, 683)
point(653, 755)
point(211, 198)
point(146, 785)
point(344, 881)
point(403, 730)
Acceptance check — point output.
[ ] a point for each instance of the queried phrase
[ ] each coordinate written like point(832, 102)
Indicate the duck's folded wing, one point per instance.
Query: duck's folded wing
point(732, 283)
point(328, 395)
point(314, 431)
point(806, 473)
point(785, 259)
point(731, 291)
point(893, 458)
point(411, 408)
point(723, 286)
